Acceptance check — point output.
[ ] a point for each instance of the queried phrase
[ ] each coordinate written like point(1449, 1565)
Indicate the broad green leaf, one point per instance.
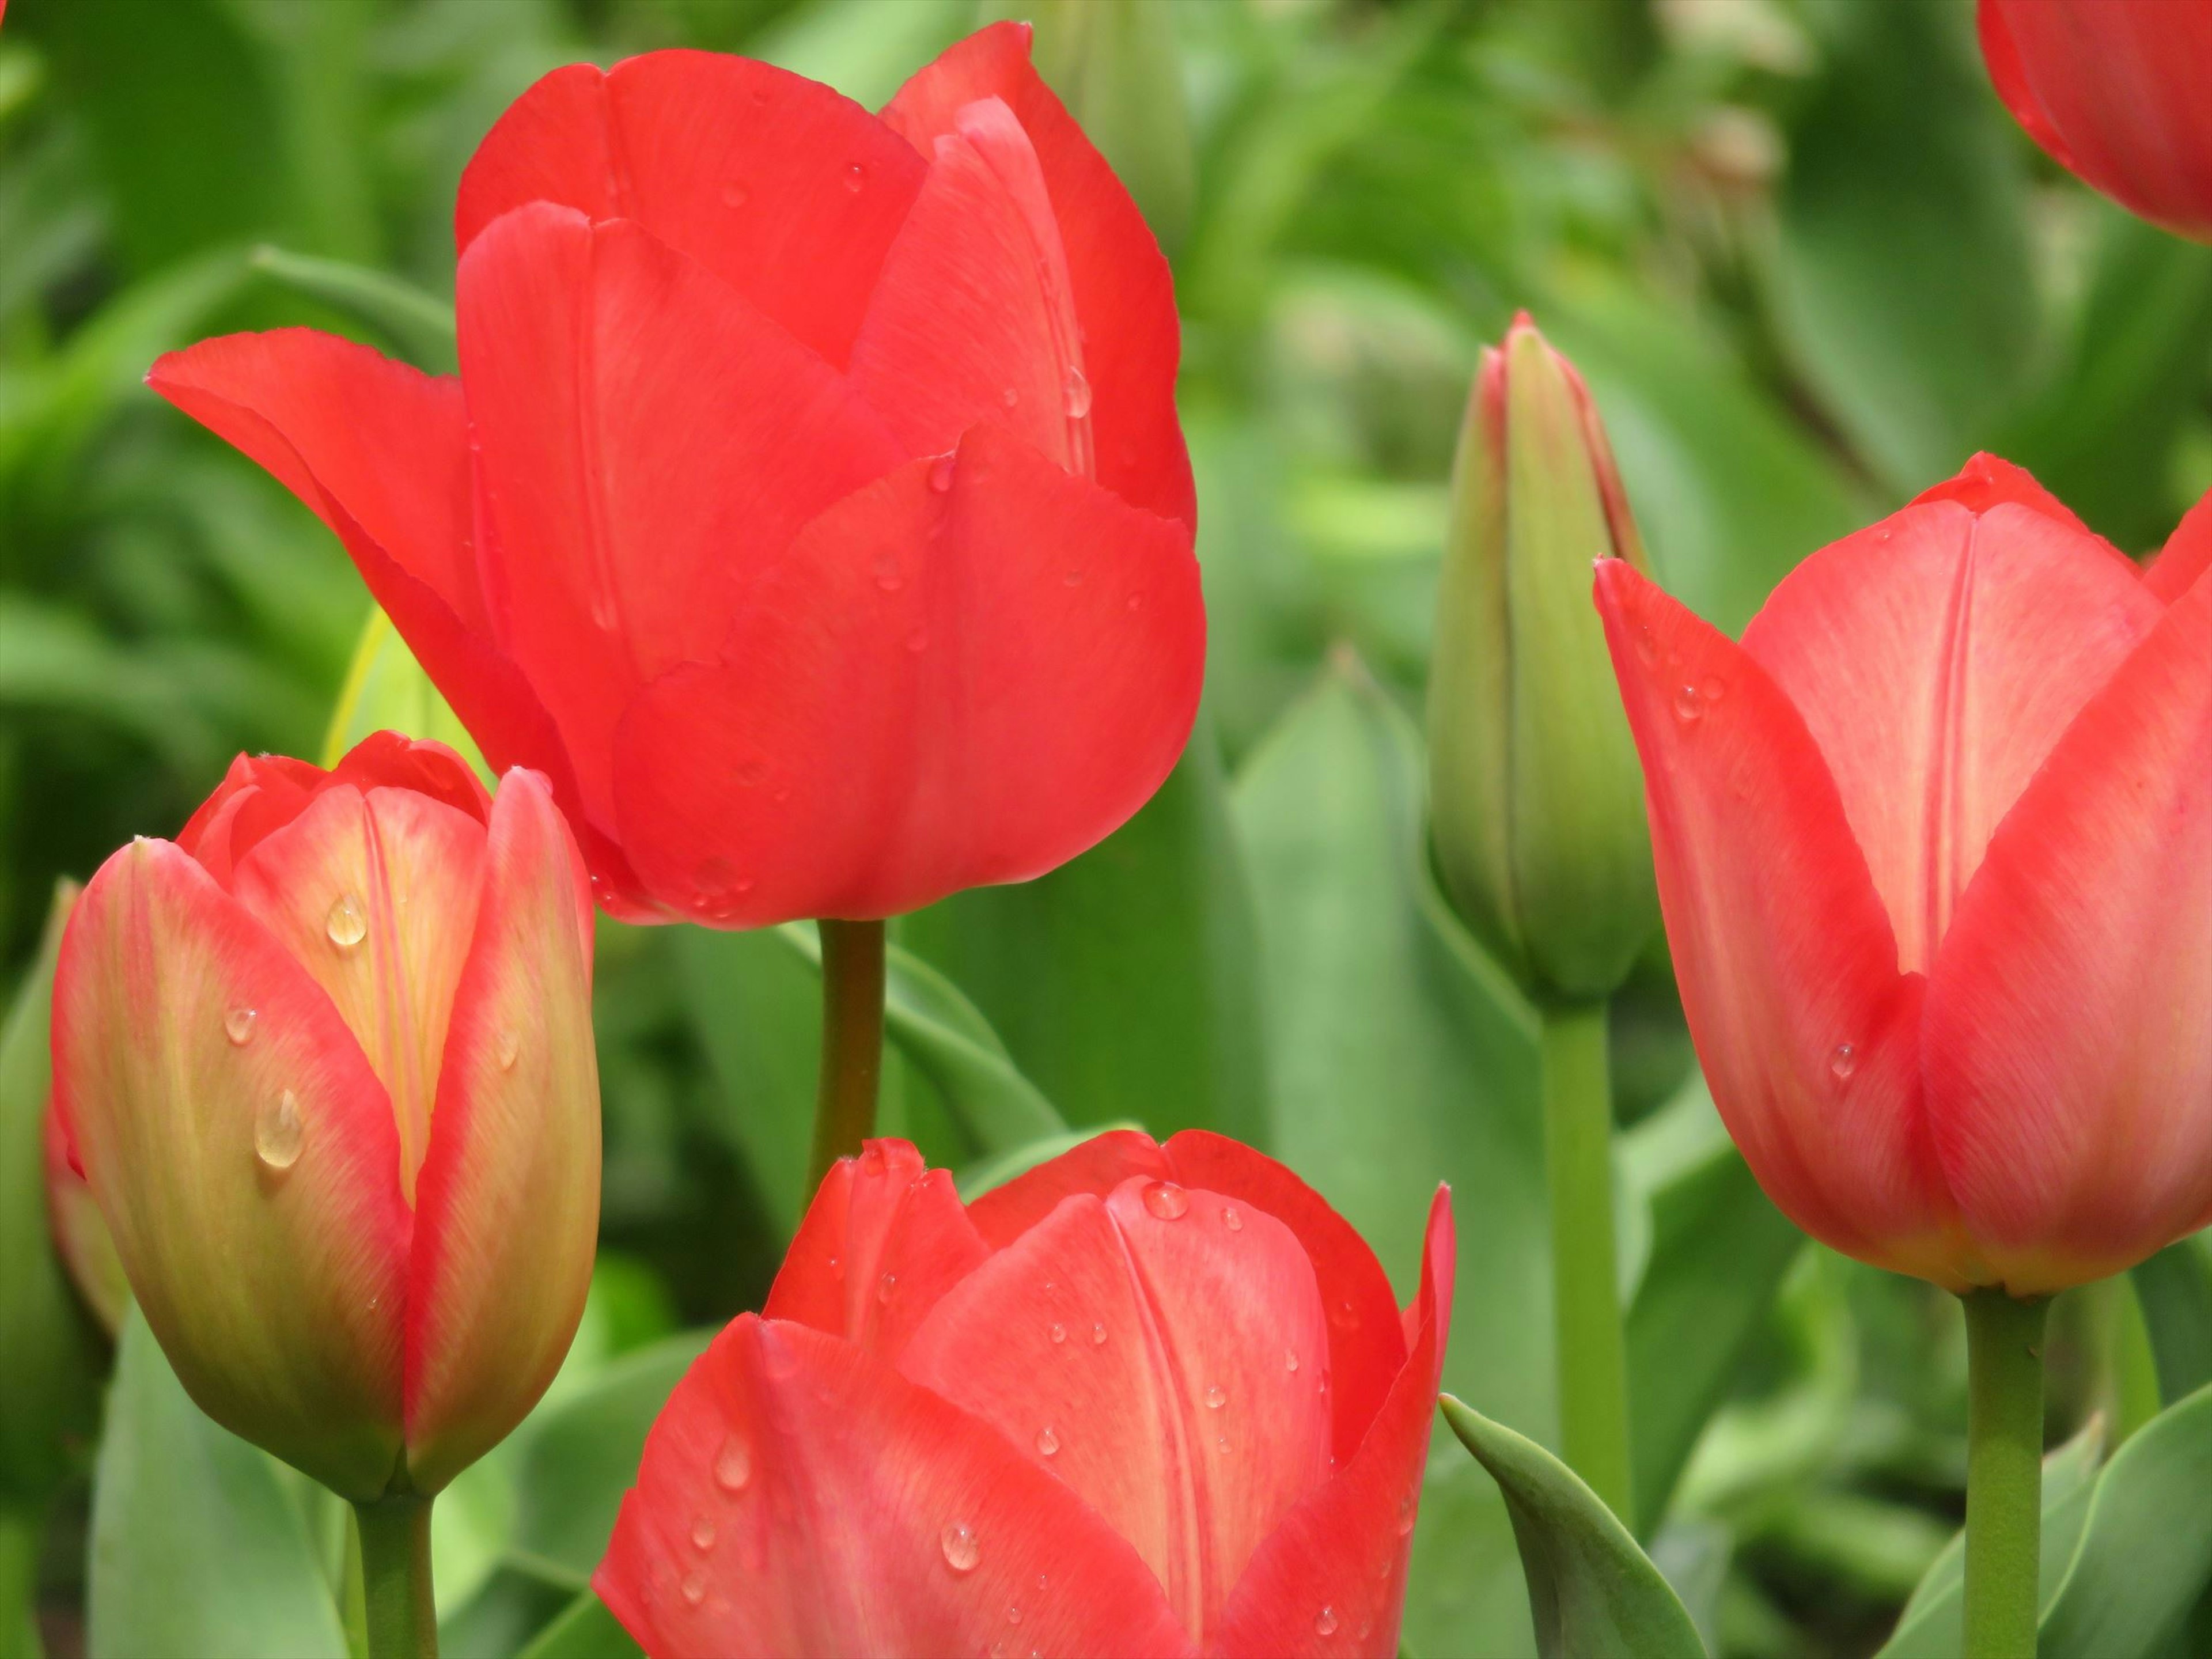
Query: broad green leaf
point(2174, 1288)
point(1125, 983)
point(386, 690)
point(1594, 1594)
point(1931, 1626)
point(419, 324)
point(2145, 1558)
point(586, 1630)
point(865, 50)
point(201, 1544)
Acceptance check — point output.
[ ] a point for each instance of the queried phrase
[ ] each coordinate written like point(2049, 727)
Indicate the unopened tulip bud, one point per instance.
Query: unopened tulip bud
point(326, 1061)
point(1536, 803)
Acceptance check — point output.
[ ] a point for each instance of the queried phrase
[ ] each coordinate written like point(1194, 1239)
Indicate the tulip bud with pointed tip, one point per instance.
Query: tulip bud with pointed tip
point(1535, 798)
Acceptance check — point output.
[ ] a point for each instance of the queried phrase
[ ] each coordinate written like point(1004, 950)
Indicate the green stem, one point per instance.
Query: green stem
point(20, 1534)
point(852, 1041)
point(395, 1577)
point(2004, 1472)
point(1593, 1361)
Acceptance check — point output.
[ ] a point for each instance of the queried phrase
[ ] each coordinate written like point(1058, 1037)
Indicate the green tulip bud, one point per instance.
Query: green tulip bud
point(1535, 795)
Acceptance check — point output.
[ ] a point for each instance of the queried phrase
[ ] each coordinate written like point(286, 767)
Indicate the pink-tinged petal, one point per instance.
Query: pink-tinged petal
point(797, 1495)
point(2008, 75)
point(246, 1158)
point(2186, 555)
point(1160, 1351)
point(79, 1232)
point(1987, 481)
point(646, 440)
point(1332, 1578)
point(508, 1210)
point(973, 319)
point(967, 673)
point(1787, 968)
point(1936, 657)
point(2069, 1019)
point(422, 764)
point(375, 895)
point(882, 1240)
point(1095, 1166)
point(1124, 292)
point(787, 190)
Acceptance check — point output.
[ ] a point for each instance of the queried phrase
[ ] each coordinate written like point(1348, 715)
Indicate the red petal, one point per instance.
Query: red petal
point(1332, 1578)
point(1988, 480)
point(961, 675)
point(1788, 969)
point(2008, 76)
point(1095, 1166)
point(797, 1495)
point(1936, 657)
point(1161, 1352)
point(420, 764)
point(267, 1244)
point(2186, 556)
point(646, 441)
point(1124, 293)
point(506, 1215)
point(2069, 1020)
point(882, 1240)
point(787, 191)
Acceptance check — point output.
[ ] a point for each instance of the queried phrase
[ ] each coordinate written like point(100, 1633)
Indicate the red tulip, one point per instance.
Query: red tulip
point(317, 1057)
point(811, 508)
point(1143, 1401)
point(1934, 851)
point(2115, 91)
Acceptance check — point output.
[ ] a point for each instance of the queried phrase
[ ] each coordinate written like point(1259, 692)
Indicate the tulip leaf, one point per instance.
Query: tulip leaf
point(2145, 1557)
point(585, 1629)
point(1594, 1594)
point(419, 324)
point(200, 1542)
point(2174, 1288)
point(386, 691)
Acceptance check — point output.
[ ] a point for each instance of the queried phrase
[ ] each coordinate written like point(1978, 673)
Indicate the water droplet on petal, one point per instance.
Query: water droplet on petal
point(1221, 1442)
point(1078, 395)
point(1047, 1443)
point(1098, 1335)
point(1010, 397)
point(1013, 1612)
point(885, 1286)
point(694, 1586)
point(1073, 578)
point(1166, 1200)
point(963, 1550)
point(888, 574)
point(1325, 1621)
point(1216, 1397)
point(1843, 1061)
point(733, 1465)
point(1290, 1360)
point(1136, 601)
point(345, 923)
point(1647, 648)
point(855, 176)
point(940, 472)
point(1059, 1332)
point(1405, 1510)
point(1713, 688)
point(703, 1533)
point(1345, 1317)
point(1231, 1221)
point(752, 774)
point(238, 1026)
point(1689, 707)
point(734, 196)
point(918, 641)
point(279, 1131)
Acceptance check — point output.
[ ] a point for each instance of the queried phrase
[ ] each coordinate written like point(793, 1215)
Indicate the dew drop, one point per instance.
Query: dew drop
point(1047, 1443)
point(703, 1533)
point(1166, 1200)
point(510, 1048)
point(963, 1550)
point(1098, 1335)
point(279, 1131)
point(238, 1026)
point(1345, 1317)
point(855, 176)
point(1010, 397)
point(1221, 1444)
point(344, 922)
point(1216, 1397)
point(1713, 688)
point(1406, 1509)
point(1059, 1332)
point(694, 1586)
point(734, 196)
point(1325, 1621)
point(1231, 1221)
point(1843, 1061)
point(1042, 1582)
point(940, 472)
point(1647, 648)
point(1689, 707)
point(1136, 601)
point(604, 616)
point(1078, 395)
point(885, 1286)
point(918, 641)
point(752, 774)
point(1290, 1360)
point(733, 1465)
point(1013, 1612)
point(889, 577)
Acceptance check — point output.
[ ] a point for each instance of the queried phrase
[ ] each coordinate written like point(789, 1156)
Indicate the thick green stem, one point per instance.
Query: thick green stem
point(1593, 1362)
point(20, 1533)
point(852, 1041)
point(2004, 1472)
point(395, 1577)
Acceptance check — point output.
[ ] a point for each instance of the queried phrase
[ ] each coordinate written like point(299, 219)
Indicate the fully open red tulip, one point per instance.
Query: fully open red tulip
point(327, 1062)
point(1934, 850)
point(811, 508)
point(1143, 1400)
point(2115, 91)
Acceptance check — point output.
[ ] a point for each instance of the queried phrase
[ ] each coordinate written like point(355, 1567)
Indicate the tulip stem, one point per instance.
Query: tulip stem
point(395, 1577)
point(1593, 1360)
point(20, 1533)
point(2004, 1472)
point(852, 1042)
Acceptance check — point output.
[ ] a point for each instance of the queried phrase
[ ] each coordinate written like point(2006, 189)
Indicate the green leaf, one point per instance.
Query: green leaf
point(200, 1542)
point(2145, 1557)
point(386, 690)
point(420, 324)
point(1595, 1595)
point(2175, 1290)
point(586, 1630)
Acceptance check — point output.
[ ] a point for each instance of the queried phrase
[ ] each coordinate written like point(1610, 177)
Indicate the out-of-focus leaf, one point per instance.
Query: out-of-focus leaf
point(1594, 1594)
point(1902, 281)
point(864, 51)
point(200, 1542)
point(420, 324)
point(2175, 1290)
point(586, 1630)
point(1125, 983)
point(386, 690)
point(2145, 1555)
point(51, 660)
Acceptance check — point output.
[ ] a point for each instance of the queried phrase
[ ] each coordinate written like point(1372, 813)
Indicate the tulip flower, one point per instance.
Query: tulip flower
point(1144, 1400)
point(326, 1063)
point(2114, 91)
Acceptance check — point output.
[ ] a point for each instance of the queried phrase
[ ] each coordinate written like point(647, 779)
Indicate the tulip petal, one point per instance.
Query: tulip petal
point(882, 1240)
point(2186, 555)
point(634, 476)
point(967, 673)
point(507, 1208)
point(1124, 293)
point(797, 1496)
point(1160, 1351)
point(1332, 1578)
point(2069, 1019)
point(375, 895)
point(2008, 75)
point(1987, 481)
point(788, 191)
point(246, 1158)
point(1936, 657)
point(1787, 968)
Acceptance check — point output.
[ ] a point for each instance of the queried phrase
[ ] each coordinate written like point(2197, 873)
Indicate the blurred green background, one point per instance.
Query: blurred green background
point(1805, 262)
